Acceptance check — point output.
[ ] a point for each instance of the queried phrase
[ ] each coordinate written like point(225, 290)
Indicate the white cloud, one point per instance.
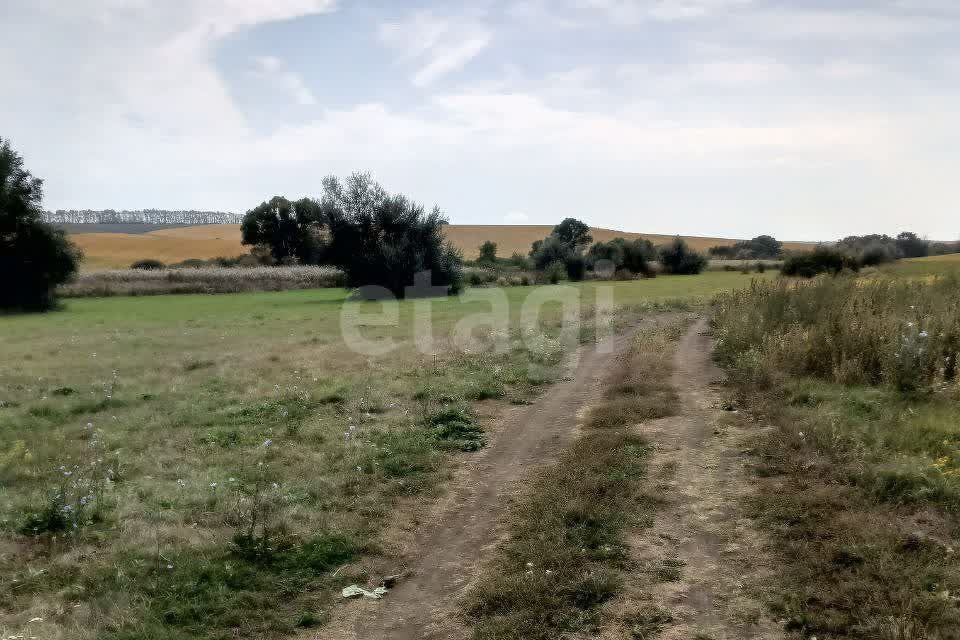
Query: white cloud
point(438, 45)
point(274, 71)
point(634, 11)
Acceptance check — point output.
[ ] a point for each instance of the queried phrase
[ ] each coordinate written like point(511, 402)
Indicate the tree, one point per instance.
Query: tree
point(909, 245)
point(386, 240)
point(765, 247)
point(291, 231)
point(679, 259)
point(572, 232)
point(488, 253)
point(34, 256)
point(822, 259)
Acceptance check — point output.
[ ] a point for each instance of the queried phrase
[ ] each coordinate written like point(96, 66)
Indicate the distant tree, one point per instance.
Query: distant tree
point(573, 233)
point(291, 231)
point(549, 250)
point(909, 245)
point(386, 240)
point(34, 256)
point(723, 252)
point(488, 253)
point(679, 259)
point(765, 247)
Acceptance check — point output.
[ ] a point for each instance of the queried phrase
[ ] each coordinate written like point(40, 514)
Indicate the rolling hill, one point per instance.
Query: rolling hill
point(111, 250)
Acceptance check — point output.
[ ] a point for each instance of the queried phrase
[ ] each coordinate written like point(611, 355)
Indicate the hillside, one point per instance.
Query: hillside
point(116, 250)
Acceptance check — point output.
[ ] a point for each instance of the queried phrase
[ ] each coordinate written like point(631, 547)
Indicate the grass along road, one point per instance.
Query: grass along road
point(166, 405)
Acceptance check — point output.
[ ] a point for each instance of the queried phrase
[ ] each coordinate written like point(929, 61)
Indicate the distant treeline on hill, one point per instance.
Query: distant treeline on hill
point(144, 216)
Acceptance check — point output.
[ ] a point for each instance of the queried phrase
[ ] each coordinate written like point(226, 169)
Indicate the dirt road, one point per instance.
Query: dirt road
point(463, 530)
point(697, 458)
point(712, 551)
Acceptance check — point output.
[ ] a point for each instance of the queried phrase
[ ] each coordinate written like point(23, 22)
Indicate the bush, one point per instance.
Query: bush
point(623, 255)
point(679, 259)
point(386, 240)
point(147, 265)
point(575, 266)
point(488, 253)
point(293, 232)
point(820, 260)
point(34, 256)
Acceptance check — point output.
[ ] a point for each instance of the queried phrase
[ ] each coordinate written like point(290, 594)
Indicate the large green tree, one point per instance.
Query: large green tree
point(34, 256)
point(387, 240)
point(292, 231)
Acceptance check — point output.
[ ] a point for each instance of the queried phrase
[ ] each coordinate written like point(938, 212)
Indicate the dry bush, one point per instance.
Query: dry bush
point(139, 282)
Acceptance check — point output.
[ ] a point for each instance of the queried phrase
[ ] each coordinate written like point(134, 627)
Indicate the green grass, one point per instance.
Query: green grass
point(924, 267)
point(858, 483)
point(182, 393)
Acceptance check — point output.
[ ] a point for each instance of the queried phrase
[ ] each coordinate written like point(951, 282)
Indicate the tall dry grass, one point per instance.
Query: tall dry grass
point(138, 282)
point(882, 331)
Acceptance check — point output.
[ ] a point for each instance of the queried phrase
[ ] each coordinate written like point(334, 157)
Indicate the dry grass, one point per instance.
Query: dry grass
point(140, 282)
point(118, 250)
point(860, 478)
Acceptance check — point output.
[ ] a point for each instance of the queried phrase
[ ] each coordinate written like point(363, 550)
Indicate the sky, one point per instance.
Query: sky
point(806, 120)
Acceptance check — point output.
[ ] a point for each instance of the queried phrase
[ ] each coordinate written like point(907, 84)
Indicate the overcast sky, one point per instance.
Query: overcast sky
point(808, 120)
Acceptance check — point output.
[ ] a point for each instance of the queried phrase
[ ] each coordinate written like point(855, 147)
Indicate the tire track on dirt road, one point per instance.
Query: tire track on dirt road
point(467, 524)
point(699, 459)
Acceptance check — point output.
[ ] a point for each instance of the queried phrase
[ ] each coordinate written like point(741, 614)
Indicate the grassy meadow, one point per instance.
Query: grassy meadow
point(859, 470)
point(193, 466)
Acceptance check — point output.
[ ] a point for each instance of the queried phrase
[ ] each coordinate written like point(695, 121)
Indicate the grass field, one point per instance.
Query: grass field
point(118, 250)
point(198, 466)
point(920, 267)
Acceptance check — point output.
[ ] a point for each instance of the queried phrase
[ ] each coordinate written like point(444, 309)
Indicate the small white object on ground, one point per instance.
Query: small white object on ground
point(353, 591)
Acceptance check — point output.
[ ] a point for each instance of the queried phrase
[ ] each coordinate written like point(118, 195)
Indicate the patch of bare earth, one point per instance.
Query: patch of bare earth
point(442, 549)
point(698, 566)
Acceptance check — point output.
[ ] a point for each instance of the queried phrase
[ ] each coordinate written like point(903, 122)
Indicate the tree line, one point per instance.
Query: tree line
point(140, 216)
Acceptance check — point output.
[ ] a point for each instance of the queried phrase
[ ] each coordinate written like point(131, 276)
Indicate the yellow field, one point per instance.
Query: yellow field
point(118, 250)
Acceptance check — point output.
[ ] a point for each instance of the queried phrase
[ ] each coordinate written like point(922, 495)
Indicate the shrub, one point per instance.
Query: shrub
point(34, 256)
point(575, 266)
point(386, 240)
point(488, 253)
point(148, 265)
point(293, 232)
point(679, 259)
point(554, 272)
point(623, 255)
point(820, 260)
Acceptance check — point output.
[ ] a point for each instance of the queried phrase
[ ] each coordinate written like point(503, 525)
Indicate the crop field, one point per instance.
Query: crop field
point(119, 250)
point(199, 466)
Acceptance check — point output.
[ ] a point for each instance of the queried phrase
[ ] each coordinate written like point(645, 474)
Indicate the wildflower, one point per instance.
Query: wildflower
point(181, 482)
point(359, 468)
point(924, 334)
point(267, 442)
point(89, 425)
point(213, 485)
point(800, 434)
point(232, 480)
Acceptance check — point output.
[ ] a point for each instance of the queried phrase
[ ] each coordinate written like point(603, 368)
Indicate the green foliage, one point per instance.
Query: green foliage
point(384, 240)
point(293, 232)
point(821, 260)
point(34, 256)
point(909, 245)
point(622, 254)
point(884, 331)
point(488, 253)
point(678, 258)
point(573, 233)
point(758, 248)
point(455, 428)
